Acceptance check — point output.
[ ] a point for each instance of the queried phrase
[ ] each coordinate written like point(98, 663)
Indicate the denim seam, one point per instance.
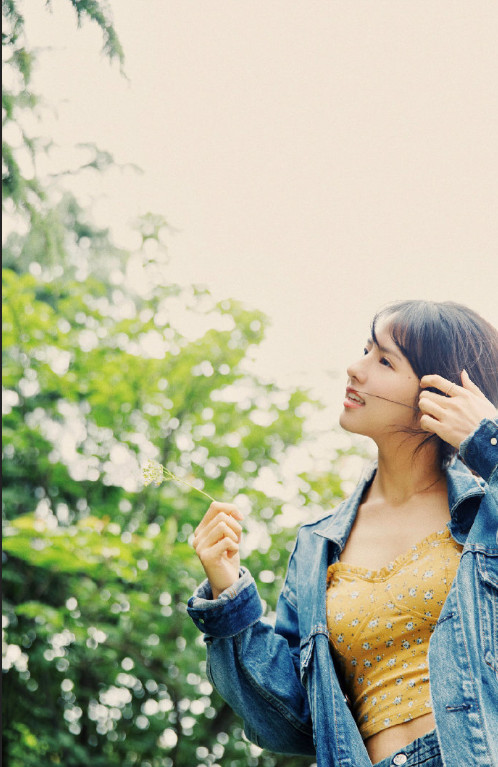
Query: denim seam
point(486, 631)
point(230, 596)
point(483, 568)
point(284, 596)
point(493, 472)
point(429, 758)
point(489, 551)
point(477, 706)
point(346, 762)
point(273, 701)
point(241, 631)
point(315, 631)
point(217, 605)
point(234, 616)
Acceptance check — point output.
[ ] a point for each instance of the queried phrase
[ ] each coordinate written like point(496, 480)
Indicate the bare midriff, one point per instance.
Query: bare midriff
point(395, 738)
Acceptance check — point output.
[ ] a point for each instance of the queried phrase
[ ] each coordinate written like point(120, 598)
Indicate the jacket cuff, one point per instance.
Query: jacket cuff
point(480, 449)
point(236, 608)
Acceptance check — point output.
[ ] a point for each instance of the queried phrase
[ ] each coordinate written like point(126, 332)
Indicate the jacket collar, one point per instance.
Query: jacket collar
point(462, 486)
point(337, 526)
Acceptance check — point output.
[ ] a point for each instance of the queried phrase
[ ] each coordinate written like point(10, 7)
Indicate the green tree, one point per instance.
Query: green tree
point(101, 663)
point(23, 193)
point(99, 569)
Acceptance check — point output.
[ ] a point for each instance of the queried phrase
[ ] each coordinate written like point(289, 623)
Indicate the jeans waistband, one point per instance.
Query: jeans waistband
point(419, 752)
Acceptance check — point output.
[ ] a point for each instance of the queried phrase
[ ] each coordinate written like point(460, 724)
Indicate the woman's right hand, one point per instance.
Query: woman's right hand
point(216, 542)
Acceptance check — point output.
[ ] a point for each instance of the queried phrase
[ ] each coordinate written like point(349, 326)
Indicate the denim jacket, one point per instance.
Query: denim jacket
point(281, 679)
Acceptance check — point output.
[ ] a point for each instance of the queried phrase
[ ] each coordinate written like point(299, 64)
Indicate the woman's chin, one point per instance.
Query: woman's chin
point(348, 424)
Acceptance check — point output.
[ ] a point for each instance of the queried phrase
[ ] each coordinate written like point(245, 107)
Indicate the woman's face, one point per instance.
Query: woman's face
point(382, 391)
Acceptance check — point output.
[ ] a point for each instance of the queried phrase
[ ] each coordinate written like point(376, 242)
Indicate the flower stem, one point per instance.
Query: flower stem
point(169, 475)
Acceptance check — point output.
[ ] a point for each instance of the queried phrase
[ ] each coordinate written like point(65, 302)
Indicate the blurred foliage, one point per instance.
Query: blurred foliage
point(21, 189)
point(102, 369)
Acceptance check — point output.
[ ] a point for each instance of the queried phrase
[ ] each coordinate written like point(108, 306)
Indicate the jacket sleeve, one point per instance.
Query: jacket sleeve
point(254, 666)
point(480, 452)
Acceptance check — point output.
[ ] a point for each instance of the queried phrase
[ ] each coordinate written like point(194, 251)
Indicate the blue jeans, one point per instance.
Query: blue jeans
point(423, 751)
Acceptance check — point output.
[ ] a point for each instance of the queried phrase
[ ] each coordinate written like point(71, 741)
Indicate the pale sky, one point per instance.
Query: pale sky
point(317, 159)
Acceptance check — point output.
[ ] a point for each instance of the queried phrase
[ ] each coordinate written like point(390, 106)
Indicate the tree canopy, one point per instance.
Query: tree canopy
point(106, 363)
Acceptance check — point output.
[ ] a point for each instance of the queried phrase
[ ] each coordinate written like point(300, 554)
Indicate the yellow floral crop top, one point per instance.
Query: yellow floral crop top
point(380, 622)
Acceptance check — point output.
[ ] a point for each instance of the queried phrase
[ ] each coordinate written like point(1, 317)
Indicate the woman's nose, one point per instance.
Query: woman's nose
point(357, 370)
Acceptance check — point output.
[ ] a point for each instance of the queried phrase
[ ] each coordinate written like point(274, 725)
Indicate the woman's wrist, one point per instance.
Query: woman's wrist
point(217, 592)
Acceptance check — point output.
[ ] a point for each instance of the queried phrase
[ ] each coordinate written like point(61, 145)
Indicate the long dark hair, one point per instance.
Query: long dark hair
point(445, 338)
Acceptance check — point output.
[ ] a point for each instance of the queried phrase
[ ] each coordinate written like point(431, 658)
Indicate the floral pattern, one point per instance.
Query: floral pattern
point(380, 623)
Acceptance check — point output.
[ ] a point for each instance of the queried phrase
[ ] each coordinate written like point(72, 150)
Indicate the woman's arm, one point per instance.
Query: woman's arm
point(254, 666)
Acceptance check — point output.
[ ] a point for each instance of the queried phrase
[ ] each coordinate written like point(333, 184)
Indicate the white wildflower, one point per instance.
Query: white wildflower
point(152, 473)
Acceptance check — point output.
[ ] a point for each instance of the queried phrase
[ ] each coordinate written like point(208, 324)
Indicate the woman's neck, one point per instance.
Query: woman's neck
point(402, 473)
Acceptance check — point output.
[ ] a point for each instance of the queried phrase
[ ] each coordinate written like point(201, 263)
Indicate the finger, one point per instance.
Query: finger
point(220, 528)
point(430, 396)
point(215, 552)
point(216, 508)
point(434, 380)
point(470, 385)
point(447, 387)
point(430, 406)
point(223, 517)
point(430, 424)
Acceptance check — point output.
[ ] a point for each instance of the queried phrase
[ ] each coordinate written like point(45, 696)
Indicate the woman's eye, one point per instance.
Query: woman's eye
point(384, 361)
point(365, 350)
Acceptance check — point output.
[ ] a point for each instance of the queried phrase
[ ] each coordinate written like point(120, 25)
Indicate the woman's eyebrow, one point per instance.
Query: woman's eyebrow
point(384, 349)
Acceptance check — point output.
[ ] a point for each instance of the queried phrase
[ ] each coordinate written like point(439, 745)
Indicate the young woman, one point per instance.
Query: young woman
point(385, 648)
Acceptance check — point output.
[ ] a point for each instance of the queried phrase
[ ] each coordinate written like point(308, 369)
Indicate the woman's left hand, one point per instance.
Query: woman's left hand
point(454, 416)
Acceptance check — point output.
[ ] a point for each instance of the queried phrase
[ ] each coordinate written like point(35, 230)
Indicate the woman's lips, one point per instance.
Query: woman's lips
point(353, 399)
